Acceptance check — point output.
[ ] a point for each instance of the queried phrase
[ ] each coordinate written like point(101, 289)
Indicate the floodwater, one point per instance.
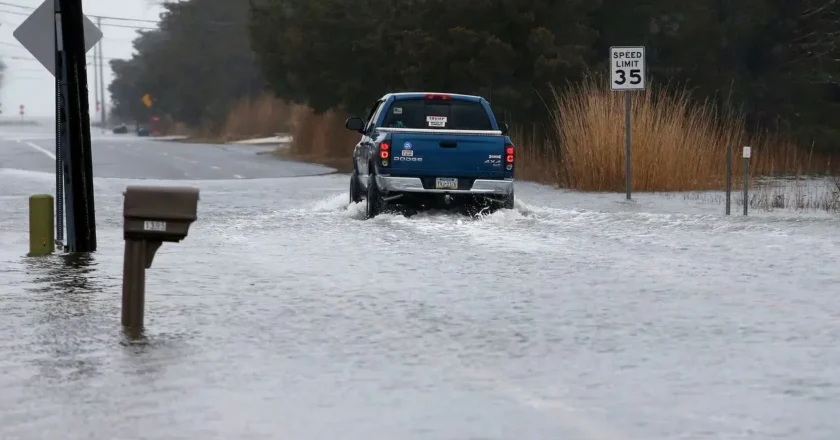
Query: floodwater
point(284, 315)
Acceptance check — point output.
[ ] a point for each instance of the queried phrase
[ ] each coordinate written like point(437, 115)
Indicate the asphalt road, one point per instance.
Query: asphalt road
point(575, 316)
point(132, 157)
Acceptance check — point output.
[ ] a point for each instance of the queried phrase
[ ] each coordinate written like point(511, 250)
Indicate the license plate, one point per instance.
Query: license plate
point(446, 183)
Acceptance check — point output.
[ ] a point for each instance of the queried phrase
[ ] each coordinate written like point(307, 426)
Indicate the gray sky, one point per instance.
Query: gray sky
point(29, 83)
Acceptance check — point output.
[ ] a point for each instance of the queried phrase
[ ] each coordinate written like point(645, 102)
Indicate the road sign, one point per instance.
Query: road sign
point(37, 34)
point(627, 73)
point(147, 100)
point(627, 68)
point(21, 110)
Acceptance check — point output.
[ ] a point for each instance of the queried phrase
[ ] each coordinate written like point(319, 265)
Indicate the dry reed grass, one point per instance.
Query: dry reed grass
point(321, 138)
point(250, 118)
point(791, 194)
point(677, 145)
point(263, 116)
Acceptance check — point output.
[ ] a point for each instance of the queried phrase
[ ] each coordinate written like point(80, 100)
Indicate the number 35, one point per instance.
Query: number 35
point(635, 77)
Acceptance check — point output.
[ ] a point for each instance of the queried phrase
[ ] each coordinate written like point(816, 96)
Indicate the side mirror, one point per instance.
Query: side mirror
point(159, 213)
point(503, 127)
point(354, 124)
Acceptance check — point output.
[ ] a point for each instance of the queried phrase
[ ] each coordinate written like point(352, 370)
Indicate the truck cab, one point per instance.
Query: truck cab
point(428, 149)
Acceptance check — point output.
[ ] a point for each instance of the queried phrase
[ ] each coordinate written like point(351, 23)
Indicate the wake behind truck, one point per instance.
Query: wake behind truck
point(431, 149)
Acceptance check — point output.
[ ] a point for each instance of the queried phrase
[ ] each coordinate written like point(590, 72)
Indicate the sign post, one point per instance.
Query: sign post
point(58, 35)
point(747, 152)
point(627, 73)
point(728, 178)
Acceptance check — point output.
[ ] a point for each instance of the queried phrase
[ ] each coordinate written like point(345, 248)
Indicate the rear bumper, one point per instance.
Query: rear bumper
point(415, 185)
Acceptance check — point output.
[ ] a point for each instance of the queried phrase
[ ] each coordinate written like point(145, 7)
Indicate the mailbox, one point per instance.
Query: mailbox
point(159, 213)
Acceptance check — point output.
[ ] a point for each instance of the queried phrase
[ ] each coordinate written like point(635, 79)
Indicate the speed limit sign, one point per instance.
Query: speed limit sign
point(627, 68)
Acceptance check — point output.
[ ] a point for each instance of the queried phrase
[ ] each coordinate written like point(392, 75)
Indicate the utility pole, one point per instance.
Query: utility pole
point(101, 76)
point(58, 35)
point(73, 120)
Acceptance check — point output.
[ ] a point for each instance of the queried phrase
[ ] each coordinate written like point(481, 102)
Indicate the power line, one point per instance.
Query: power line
point(29, 58)
point(95, 16)
point(107, 17)
point(104, 17)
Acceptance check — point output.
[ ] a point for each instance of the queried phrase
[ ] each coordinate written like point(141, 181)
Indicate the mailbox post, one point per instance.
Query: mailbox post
point(151, 215)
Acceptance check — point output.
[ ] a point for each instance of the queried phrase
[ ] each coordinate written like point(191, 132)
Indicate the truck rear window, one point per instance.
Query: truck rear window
point(422, 113)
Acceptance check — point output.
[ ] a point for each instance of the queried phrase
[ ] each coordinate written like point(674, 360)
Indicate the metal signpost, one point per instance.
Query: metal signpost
point(627, 73)
point(58, 35)
point(728, 178)
point(747, 152)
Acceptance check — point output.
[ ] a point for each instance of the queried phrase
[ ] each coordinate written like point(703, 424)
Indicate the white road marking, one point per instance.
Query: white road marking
point(238, 176)
point(194, 162)
point(43, 150)
point(568, 415)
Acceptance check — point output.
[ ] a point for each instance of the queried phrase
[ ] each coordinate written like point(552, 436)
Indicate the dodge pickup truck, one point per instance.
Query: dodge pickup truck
point(431, 149)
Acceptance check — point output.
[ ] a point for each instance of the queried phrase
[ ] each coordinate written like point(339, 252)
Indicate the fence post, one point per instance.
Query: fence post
point(728, 178)
point(746, 156)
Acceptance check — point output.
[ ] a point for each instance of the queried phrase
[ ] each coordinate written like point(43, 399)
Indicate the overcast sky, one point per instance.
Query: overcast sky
point(29, 83)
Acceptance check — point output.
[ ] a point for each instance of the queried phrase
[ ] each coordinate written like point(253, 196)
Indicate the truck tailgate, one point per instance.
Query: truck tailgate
point(441, 155)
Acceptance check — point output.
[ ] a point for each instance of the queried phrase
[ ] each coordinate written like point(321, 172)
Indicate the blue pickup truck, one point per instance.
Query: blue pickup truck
point(431, 149)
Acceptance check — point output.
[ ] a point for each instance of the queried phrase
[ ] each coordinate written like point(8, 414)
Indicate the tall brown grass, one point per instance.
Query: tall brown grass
point(321, 138)
point(677, 144)
point(262, 116)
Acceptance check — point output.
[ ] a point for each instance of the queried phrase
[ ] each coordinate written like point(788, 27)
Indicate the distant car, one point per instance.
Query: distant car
point(142, 131)
point(431, 149)
point(120, 129)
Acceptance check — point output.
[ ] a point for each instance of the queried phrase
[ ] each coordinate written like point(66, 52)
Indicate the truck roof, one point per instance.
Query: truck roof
point(410, 95)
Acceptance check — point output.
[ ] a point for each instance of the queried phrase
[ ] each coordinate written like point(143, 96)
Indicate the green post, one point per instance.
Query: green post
point(41, 225)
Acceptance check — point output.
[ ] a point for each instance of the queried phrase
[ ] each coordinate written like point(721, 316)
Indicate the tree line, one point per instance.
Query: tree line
point(775, 60)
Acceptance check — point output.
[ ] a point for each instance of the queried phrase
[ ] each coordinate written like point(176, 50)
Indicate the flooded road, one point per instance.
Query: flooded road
point(284, 315)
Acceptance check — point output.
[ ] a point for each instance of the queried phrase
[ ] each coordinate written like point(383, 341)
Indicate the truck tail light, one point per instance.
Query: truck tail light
point(384, 153)
point(510, 156)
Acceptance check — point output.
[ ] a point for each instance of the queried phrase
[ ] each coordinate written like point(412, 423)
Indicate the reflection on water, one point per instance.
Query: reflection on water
point(69, 274)
point(63, 290)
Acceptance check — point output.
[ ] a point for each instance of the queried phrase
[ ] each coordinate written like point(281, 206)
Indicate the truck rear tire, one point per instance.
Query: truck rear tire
point(508, 201)
point(355, 188)
point(374, 201)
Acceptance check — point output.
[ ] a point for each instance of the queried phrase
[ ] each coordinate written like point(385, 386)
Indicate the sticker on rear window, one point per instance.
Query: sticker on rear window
point(436, 121)
point(397, 110)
